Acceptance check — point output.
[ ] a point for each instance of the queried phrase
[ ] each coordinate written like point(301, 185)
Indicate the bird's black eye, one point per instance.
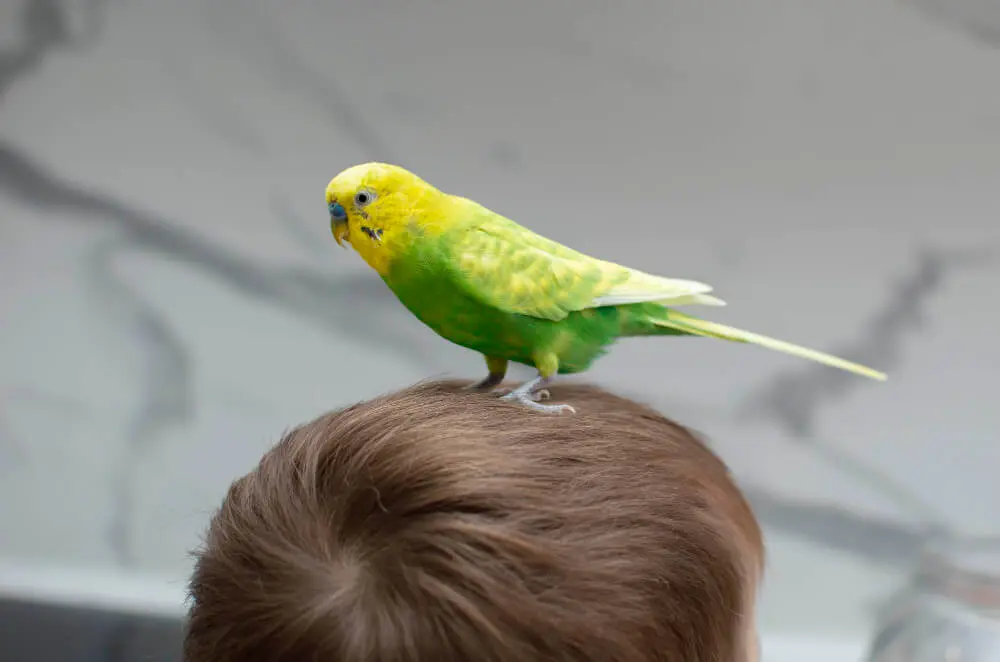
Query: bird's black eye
point(362, 198)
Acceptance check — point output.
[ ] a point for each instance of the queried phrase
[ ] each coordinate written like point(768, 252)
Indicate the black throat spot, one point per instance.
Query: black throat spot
point(373, 234)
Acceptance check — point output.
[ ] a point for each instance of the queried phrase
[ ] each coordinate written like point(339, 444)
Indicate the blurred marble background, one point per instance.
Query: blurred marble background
point(172, 300)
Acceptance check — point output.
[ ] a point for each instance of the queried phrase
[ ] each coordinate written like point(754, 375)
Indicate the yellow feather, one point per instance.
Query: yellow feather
point(694, 299)
point(700, 327)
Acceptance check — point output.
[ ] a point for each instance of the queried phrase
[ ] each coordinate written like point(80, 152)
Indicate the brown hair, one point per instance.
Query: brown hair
point(441, 525)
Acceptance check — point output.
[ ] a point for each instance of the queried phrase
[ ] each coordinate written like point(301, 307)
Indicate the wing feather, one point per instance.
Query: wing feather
point(509, 267)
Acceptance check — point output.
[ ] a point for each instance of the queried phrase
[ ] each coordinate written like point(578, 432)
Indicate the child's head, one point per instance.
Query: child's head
point(436, 525)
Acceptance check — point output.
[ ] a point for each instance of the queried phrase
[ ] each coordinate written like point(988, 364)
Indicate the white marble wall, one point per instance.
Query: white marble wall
point(172, 300)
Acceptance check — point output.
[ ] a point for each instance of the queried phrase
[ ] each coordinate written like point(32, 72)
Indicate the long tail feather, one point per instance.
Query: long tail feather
point(693, 299)
point(699, 327)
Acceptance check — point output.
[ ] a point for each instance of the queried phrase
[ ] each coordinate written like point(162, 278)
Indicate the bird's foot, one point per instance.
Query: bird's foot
point(528, 394)
point(530, 400)
point(486, 383)
point(534, 396)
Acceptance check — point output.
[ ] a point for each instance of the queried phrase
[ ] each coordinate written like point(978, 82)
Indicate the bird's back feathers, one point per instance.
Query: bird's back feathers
point(507, 266)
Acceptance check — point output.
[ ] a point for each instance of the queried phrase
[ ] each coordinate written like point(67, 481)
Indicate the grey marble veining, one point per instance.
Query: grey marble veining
point(979, 19)
point(793, 398)
point(172, 300)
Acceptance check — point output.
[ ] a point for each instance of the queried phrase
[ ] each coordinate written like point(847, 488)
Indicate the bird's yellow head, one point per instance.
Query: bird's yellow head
point(372, 204)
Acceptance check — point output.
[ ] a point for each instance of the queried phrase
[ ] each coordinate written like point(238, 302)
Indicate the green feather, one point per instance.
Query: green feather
point(496, 288)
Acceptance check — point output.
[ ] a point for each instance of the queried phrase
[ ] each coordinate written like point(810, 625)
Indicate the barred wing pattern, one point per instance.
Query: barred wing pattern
point(513, 269)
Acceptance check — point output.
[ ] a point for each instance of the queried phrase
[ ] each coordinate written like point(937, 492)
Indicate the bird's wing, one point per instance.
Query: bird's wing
point(511, 268)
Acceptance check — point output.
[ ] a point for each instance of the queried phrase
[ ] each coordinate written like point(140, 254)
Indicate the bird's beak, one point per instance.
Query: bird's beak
point(340, 232)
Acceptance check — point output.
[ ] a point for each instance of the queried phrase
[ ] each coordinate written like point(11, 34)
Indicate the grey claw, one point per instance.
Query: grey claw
point(531, 401)
point(549, 409)
point(541, 394)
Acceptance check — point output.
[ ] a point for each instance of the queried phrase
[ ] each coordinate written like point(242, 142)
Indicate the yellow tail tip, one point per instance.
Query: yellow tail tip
point(850, 366)
point(698, 326)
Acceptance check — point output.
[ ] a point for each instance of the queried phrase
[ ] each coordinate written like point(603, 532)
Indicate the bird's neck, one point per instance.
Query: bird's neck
point(400, 240)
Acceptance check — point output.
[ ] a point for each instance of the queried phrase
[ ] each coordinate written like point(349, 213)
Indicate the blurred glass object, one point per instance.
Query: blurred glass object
point(948, 612)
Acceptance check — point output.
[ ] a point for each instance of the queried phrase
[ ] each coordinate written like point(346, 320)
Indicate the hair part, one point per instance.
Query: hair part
point(440, 525)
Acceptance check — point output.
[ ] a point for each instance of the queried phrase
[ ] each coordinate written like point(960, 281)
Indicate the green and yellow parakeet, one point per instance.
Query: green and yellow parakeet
point(486, 283)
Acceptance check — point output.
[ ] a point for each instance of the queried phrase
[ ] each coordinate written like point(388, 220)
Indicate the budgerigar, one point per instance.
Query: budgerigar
point(488, 284)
